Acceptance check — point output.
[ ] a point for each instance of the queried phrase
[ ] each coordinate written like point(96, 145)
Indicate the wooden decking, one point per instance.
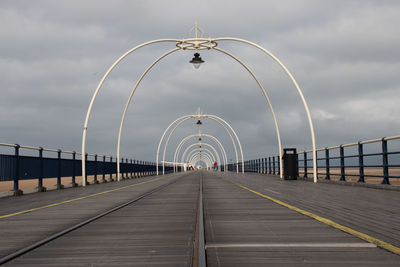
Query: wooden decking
point(241, 227)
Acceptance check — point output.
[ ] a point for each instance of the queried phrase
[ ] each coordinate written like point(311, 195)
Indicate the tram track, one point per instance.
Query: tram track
point(22, 251)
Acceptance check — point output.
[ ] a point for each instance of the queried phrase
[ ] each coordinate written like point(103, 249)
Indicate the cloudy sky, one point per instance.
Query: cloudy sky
point(344, 54)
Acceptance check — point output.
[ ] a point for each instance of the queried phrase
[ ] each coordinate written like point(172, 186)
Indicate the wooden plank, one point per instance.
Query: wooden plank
point(235, 216)
point(157, 230)
point(25, 229)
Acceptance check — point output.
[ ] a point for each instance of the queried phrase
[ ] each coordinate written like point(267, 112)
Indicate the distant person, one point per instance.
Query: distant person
point(215, 166)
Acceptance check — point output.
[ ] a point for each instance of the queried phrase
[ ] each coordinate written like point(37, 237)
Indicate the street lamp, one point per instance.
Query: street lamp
point(196, 61)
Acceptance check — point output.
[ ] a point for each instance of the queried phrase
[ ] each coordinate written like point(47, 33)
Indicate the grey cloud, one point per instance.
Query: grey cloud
point(344, 54)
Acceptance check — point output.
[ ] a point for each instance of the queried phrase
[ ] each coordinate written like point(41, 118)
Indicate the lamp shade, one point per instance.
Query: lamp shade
point(196, 60)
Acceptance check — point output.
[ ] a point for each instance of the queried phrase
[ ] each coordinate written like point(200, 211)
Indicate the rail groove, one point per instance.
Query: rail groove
point(61, 233)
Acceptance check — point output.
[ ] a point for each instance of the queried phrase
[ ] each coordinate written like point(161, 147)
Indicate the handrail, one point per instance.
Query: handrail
point(363, 162)
point(53, 150)
point(19, 167)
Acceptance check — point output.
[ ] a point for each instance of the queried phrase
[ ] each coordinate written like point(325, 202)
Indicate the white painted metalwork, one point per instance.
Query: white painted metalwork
point(167, 142)
point(203, 144)
point(202, 153)
point(315, 172)
point(203, 158)
point(199, 44)
point(224, 155)
point(269, 104)
point(127, 106)
point(219, 120)
point(177, 151)
point(203, 150)
point(162, 137)
point(236, 136)
point(85, 125)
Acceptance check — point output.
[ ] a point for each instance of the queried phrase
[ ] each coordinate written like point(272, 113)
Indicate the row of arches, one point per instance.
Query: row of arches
point(197, 44)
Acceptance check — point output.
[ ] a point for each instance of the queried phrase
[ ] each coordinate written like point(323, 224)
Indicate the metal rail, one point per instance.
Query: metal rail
point(334, 161)
point(202, 247)
point(15, 167)
point(199, 251)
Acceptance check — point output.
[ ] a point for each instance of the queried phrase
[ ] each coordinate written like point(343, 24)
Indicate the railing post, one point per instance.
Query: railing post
point(305, 164)
point(126, 168)
point(278, 170)
point(131, 169)
point(361, 162)
point(342, 167)
point(40, 187)
point(327, 165)
point(111, 170)
point(86, 174)
point(122, 169)
point(257, 165)
point(269, 169)
point(103, 179)
point(385, 162)
point(272, 165)
point(96, 170)
point(73, 182)
point(262, 166)
point(16, 191)
point(59, 185)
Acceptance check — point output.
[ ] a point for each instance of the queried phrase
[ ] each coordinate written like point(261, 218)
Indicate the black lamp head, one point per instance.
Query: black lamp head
point(196, 60)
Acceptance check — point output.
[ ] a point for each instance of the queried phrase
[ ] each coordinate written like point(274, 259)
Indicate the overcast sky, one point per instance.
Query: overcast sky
point(344, 54)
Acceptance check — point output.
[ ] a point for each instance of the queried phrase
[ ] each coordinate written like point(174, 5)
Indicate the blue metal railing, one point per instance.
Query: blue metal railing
point(16, 167)
point(358, 162)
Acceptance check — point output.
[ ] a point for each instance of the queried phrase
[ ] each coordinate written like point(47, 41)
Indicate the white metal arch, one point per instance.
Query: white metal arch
point(127, 105)
point(269, 105)
point(197, 44)
point(202, 150)
point(203, 154)
point(202, 144)
point(202, 159)
point(162, 137)
point(177, 151)
point(200, 117)
point(166, 143)
point(315, 173)
point(237, 166)
point(85, 125)
point(219, 120)
point(197, 157)
point(205, 159)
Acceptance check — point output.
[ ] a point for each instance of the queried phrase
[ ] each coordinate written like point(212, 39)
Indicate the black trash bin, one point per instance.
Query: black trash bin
point(290, 168)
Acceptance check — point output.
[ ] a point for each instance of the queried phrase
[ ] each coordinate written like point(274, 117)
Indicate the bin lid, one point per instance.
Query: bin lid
point(289, 151)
